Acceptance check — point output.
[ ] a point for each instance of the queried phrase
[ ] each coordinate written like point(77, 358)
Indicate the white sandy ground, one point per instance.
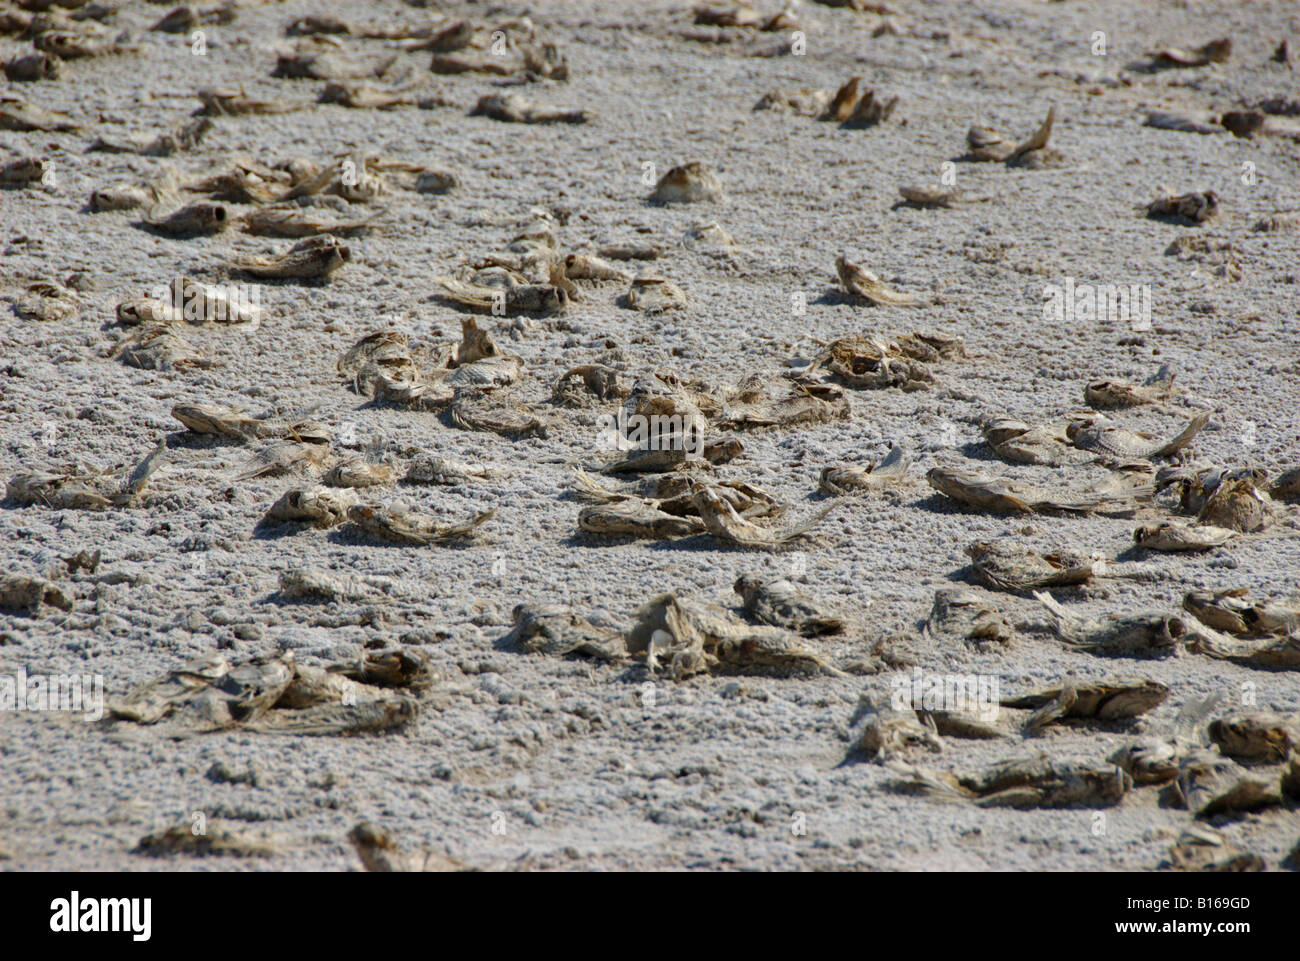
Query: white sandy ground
point(586, 772)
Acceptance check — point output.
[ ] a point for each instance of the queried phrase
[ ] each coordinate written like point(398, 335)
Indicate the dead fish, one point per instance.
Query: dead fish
point(23, 172)
point(1209, 784)
point(359, 472)
point(1291, 786)
point(654, 294)
point(169, 142)
point(380, 852)
point(1196, 486)
point(805, 102)
point(365, 717)
point(693, 638)
point(316, 686)
point(1020, 443)
point(1177, 536)
point(689, 183)
point(1150, 760)
point(555, 630)
point(320, 23)
point(227, 102)
point(1005, 566)
point(863, 284)
point(739, 15)
point(967, 725)
point(159, 347)
point(1255, 737)
point(725, 523)
point(1186, 209)
point(887, 729)
point(320, 507)
point(870, 362)
point(587, 382)
point(1040, 782)
point(202, 217)
point(363, 96)
point(1235, 612)
point(407, 527)
point(70, 45)
point(1286, 486)
point(498, 413)
point(629, 252)
point(32, 67)
point(441, 470)
point(963, 614)
point(1236, 505)
point(890, 472)
point(846, 100)
point(245, 182)
point(636, 518)
point(355, 180)
point(1216, 51)
point(590, 267)
point(1125, 446)
point(1201, 848)
point(435, 182)
point(1133, 635)
point(315, 257)
point(676, 492)
point(216, 840)
point(452, 63)
point(154, 700)
point(118, 197)
point(312, 584)
point(184, 19)
point(1110, 700)
point(290, 220)
point(778, 603)
point(219, 421)
point(74, 490)
point(447, 38)
point(987, 144)
point(47, 302)
point(314, 61)
point(394, 667)
point(16, 114)
point(137, 311)
point(1273, 654)
point(386, 348)
point(543, 61)
point(868, 109)
point(1201, 122)
point(516, 297)
point(283, 457)
point(708, 236)
point(1109, 394)
point(26, 595)
point(805, 404)
point(216, 697)
point(513, 108)
point(931, 197)
point(193, 302)
point(1117, 497)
